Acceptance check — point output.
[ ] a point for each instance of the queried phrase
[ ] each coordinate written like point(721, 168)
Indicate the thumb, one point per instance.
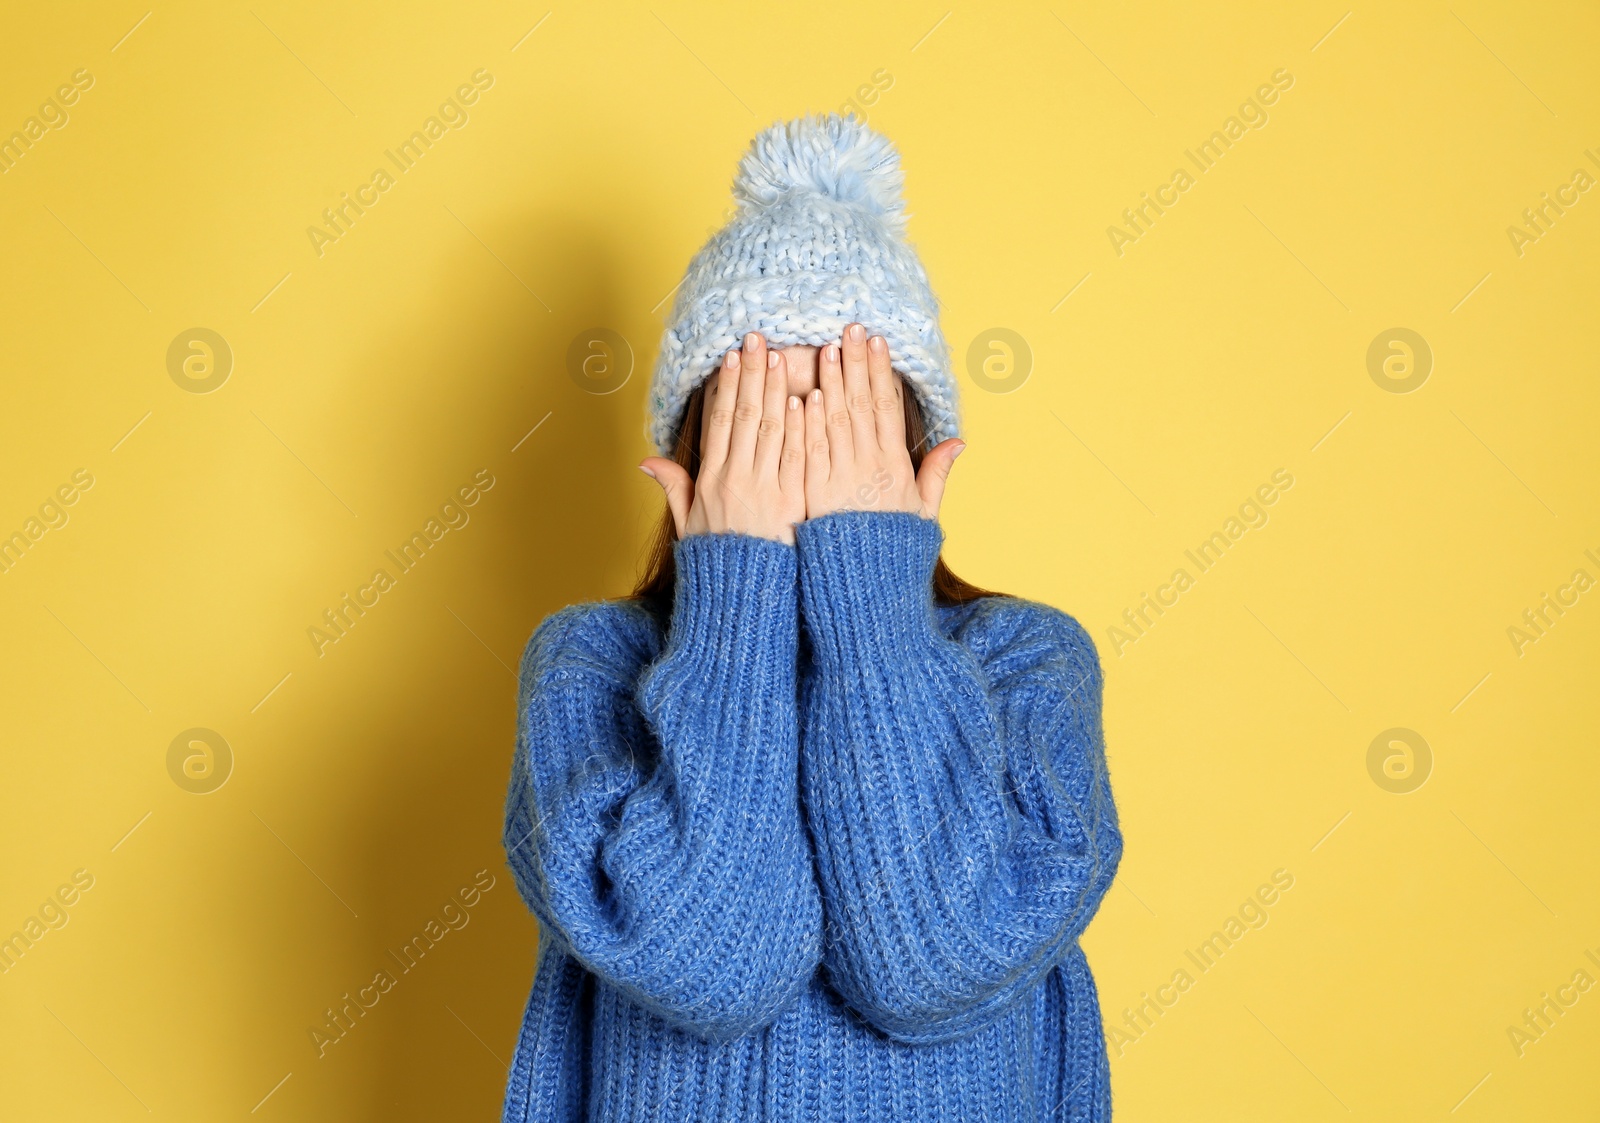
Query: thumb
point(934, 472)
point(674, 480)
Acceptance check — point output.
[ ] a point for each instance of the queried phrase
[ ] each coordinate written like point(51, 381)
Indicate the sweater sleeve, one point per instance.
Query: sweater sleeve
point(653, 819)
point(956, 792)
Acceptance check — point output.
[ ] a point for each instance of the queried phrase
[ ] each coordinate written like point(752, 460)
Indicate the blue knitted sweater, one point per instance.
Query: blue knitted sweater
point(816, 849)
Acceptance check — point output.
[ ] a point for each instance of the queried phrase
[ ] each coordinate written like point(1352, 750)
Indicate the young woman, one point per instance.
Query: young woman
point(810, 825)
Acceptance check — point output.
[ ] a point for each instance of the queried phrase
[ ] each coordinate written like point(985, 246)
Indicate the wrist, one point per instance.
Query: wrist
point(731, 650)
point(866, 580)
point(782, 535)
point(733, 592)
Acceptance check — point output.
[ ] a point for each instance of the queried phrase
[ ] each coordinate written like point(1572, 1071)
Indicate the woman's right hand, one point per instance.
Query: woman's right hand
point(752, 453)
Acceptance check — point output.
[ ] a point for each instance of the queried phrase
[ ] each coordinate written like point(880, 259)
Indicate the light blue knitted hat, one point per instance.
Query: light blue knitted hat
point(818, 242)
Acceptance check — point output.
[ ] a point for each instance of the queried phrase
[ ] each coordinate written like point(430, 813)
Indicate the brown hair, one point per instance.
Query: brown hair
point(656, 581)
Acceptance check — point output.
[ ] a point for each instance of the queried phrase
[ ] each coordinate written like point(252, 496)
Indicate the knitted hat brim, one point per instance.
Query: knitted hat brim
point(797, 310)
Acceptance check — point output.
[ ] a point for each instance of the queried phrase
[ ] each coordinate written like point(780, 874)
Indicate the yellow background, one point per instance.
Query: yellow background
point(1227, 343)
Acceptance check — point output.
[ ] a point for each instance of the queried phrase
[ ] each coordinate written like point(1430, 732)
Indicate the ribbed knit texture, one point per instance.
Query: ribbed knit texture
point(816, 850)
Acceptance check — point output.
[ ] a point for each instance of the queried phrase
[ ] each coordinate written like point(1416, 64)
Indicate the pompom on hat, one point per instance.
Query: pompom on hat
point(817, 243)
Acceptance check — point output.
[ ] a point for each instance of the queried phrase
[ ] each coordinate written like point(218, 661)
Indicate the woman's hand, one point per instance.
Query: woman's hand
point(752, 458)
point(855, 435)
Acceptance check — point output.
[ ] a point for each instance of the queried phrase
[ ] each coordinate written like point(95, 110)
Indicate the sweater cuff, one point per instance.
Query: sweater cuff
point(734, 600)
point(866, 582)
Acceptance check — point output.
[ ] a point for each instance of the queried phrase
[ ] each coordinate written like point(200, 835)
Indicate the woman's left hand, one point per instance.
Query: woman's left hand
point(856, 454)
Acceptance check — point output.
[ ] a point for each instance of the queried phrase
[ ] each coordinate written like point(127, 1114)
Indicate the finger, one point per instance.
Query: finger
point(720, 422)
point(770, 435)
point(841, 443)
point(818, 458)
point(792, 461)
point(674, 480)
point(889, 419)
point(934, 472)
point(747, 405)
point(857, 390)
point(708, 399)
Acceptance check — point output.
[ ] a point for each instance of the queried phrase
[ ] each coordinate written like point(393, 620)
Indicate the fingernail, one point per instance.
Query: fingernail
point(833, 352)
point(877, 343)
point(816, 396)
point(794, 402)
point(857, 332)
point(772, 359)
point(752, 340)
point(647, 471)
point(960, 448)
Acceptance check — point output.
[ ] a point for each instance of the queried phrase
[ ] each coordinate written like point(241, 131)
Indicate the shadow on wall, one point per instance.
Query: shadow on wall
point(557, 528)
